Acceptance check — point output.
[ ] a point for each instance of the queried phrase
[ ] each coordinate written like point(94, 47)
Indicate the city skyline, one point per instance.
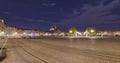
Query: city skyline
point(43, 14)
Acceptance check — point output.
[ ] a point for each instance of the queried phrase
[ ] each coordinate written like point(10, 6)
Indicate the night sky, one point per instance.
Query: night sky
point(44, 14)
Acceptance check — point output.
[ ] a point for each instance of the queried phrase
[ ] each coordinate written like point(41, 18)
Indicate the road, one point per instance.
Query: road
point(63, 50)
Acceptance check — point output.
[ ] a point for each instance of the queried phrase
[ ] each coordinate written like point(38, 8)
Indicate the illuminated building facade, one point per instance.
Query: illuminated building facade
point(2, 32)
point(2, 25)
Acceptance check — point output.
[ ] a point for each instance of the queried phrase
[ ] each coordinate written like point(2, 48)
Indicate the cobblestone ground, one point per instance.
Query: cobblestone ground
point(63, 51)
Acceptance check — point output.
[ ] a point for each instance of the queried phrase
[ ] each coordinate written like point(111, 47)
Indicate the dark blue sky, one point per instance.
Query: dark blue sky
point(43, 14)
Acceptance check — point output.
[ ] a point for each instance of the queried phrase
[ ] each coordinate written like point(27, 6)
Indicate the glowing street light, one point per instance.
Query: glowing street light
point(24, 33)
point(70, 31)
point(16, 33)
point(92, 30)
point(2, 33)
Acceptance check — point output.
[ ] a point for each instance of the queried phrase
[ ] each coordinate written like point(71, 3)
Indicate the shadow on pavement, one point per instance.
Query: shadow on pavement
point(3, 54)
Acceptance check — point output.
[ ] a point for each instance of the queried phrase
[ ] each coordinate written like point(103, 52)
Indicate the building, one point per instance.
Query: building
point(9, 30)
point(54, 30)
point(2, 25)
point(116, 33)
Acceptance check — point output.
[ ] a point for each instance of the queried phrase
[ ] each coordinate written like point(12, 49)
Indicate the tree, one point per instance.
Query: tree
point(73, 31)
point(90, 31)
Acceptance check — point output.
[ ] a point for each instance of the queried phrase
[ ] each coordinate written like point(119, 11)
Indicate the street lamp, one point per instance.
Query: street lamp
point(92, 30)
point(70, 31)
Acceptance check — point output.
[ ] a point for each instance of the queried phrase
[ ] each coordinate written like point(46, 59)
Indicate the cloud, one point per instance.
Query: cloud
point(94, 14)
point(5, 12)
point(48, 4)
point(76, 12)
point(30, 23)
point(31, 20)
